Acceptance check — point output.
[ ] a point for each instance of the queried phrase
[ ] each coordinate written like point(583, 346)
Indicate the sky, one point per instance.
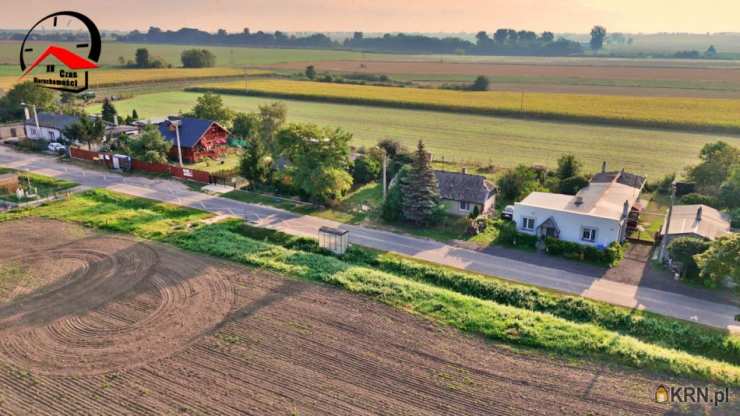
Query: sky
point(572, 16)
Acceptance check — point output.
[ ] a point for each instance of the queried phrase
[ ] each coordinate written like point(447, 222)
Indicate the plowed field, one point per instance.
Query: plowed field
point(102, 324)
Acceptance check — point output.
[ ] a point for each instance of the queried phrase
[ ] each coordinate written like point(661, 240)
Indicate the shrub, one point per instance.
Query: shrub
point(695, 199)
point(508, 235)
point(609, 256)
point(683, 250)
point(366, 169)
point(570, 186)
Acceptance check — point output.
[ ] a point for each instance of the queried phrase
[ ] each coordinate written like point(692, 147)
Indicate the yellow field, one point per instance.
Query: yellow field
point(136, 76)
point(721, 114)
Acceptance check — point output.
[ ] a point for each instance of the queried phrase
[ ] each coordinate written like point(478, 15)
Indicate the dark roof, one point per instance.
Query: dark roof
point(191, 130)
point(53, 120)
point(625, 178)
point(463, 187)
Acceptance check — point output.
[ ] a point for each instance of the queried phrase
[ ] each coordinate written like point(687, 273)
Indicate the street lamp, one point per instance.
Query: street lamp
point(177, 123)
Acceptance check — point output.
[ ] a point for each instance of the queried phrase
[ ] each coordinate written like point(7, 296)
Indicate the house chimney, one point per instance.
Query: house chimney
point(465, 170)
point(25, 111)
point(625, 209)
point(698, 213)
point(603, 167)
point(579, 201)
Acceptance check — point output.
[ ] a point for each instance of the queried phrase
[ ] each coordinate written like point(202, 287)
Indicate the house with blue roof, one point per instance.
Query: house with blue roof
point(199, 138)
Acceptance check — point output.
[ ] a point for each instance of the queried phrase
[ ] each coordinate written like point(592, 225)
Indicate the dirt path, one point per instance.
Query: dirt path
point(139, 328)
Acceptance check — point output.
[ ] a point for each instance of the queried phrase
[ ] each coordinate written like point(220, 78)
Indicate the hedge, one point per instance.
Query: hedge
point(609, 256)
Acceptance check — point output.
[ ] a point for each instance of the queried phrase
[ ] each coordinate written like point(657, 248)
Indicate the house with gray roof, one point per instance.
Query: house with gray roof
point(461, 192)
point(698, 221)
point(48, 126)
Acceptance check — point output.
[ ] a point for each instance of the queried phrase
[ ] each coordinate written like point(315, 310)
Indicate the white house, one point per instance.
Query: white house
point(48, 126)
point(597, 215)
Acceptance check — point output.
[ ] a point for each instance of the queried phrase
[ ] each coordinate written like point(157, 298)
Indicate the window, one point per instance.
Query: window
point(588, 234)
point(527, 223)
point(464, 206)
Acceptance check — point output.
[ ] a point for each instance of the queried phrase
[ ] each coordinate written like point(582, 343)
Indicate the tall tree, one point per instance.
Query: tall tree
point(86, 130)
point(211, 107)
point(311, 72)
point(246, 126)
point(197, 58)
point(720, 260)
point(109, 111)
point(272, 118)
point(717, 161)
point(319, 160)
point(28, 93)
point(254, 165)
point(134, 114)
point(420, 189)
point(598, 35)
point(683, 250)
point(517, 183)
point(142, 58)
point(568, 166)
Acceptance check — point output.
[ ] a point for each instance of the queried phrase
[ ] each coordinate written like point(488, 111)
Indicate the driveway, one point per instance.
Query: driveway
point(518, 267)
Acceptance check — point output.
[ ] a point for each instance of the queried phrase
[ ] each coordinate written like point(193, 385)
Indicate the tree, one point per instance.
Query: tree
point(366, 169)
point(711, 52)
point(392, 209)
point(391, 147)
point(517, 183)
point(568, 166)
point(698, 199)
point(319, 160)
point(86, 130)
point(134, 114)
point(683, 250)
point(420, 189)
point(571, 186)
point(254, 165)
point(29, 93)
point(142, 58)
point(480, 84)
point(197, 58)
point(311, 72)
point(547, 37)
point(598, 35)
point(246, 126)
point(729, 191)
point(150, 146)
point(211, 107)
point(717, 161)
point(109, 111)
point(272, 118)
point(720, 260)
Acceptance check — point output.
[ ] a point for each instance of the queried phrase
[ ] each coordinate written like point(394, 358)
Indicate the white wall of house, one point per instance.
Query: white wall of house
point(462, 209)
point(45, 133)
point(572, 225)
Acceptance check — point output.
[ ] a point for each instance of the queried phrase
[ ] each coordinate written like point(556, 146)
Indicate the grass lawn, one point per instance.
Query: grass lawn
point(483, 306)
point(652, 218)
point(229, 161)
point(471, 139)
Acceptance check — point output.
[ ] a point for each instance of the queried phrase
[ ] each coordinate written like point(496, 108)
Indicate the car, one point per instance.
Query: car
point(508, 212)
point(57, 147)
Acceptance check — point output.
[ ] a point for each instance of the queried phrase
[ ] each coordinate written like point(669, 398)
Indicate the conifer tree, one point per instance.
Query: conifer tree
point(109, 111)
point(420, 189)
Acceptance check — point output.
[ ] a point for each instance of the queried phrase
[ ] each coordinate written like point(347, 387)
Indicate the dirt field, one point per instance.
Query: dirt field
point(126, 327)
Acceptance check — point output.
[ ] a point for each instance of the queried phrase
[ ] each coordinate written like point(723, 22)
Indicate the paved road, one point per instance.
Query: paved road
point(520, 267)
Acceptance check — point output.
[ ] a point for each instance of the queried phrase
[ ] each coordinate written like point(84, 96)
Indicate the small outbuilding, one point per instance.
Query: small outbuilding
point(334, 239)
point(462, 193)
point(698, 221)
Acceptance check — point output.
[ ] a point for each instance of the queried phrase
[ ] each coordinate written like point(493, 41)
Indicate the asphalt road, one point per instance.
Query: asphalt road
point(565, 276)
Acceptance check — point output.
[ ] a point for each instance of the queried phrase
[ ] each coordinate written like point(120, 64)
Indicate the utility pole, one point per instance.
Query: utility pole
point(664, 239)
point(176, 123)
point(385, 177)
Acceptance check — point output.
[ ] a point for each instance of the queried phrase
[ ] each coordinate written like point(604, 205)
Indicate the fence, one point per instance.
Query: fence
point(159, 168)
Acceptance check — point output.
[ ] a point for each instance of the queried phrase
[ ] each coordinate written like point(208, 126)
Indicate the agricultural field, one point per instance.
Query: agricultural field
point(117, 325)
point(666, 112)
point(225, 56)
point(672, 78)
point(115, 77)
point(472, 139)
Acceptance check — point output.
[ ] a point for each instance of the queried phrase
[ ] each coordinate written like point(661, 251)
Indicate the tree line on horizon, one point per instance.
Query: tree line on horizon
point(502, 41)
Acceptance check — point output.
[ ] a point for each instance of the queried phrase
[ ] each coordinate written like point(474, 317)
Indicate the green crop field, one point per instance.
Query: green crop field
point(669, 112)
point(470, 138)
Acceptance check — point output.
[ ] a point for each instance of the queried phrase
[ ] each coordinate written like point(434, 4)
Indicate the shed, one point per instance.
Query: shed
point(334, 239)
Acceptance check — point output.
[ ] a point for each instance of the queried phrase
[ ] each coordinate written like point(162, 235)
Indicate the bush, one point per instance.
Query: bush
point(366, 169)
point(508, 235)
point(683, 250)
point(570, 186)
point(609, 256)
point(735, 218)
point(695, 199)
point(198, 58)
point(34, 145)
point(391, 211)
